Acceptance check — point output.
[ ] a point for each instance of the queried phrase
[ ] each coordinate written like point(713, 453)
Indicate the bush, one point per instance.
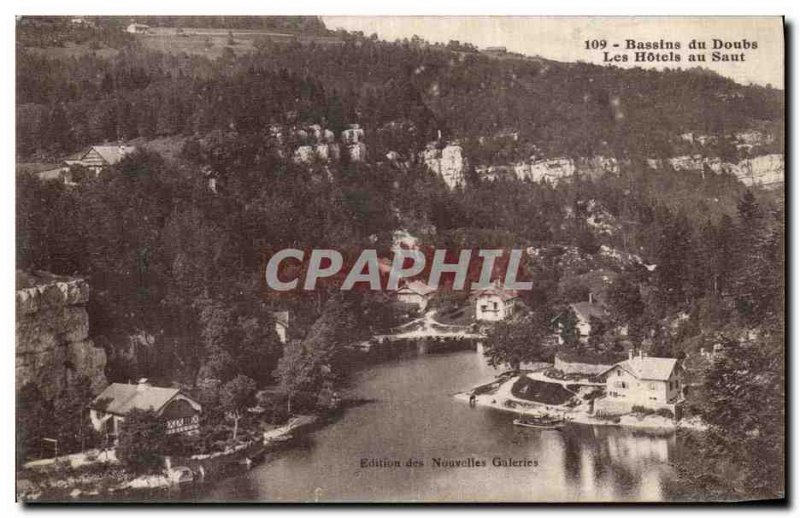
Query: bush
point(607, 417)
point(142, 442)
point(665, 412)
point(638, 409)
point(275, 407)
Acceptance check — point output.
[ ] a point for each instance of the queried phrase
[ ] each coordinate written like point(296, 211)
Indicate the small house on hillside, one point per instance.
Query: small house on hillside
point(137, 28)
point(495, 303)
point(97, 158)
point(180, 413)
point(416, 293)
point(585, 311)
point(281, 324)
point(644, 381)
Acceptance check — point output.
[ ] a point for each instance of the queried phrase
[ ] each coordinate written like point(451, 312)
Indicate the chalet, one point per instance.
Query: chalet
point(416, 293)
point(180, 413)
point(585, 311)
point(281, 324)
point(97, 158)
point(495, 303)
point(137, 28)
point(644, 381)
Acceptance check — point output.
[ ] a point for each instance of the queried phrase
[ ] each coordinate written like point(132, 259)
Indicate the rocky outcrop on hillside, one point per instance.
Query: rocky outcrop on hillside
point(52, 333)
point(314, 142)
point(764, 170)
point(447, 162)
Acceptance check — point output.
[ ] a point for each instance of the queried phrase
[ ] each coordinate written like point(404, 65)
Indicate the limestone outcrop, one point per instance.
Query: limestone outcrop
point(52, 333)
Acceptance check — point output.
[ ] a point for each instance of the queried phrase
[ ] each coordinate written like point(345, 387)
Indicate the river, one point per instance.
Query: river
point(410, 414)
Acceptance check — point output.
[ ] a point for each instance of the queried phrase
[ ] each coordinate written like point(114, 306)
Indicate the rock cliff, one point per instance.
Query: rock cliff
point(52, 331)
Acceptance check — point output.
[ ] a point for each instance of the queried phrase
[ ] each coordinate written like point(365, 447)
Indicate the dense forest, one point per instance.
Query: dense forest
point(562, 109)
point(180, 265)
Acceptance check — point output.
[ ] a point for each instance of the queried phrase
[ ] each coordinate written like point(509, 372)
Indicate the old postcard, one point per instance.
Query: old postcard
point(400, 259)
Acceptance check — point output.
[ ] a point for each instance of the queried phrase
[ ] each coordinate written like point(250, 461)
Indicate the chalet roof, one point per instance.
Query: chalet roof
point(281, 317)
point(420, 288)
point(38, 167)
point(76, 156)
point(586, 310)
point(112, 154)
point(649, 368)
point(499, 291)
point(124, 397)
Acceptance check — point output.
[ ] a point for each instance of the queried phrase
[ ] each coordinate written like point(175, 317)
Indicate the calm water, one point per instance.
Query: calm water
point(412, 415)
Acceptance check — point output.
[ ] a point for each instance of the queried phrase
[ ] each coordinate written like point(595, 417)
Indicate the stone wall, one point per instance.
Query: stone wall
point(52, 333)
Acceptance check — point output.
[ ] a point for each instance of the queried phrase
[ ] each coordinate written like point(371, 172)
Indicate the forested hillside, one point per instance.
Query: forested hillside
point(175, 261)
point(562, 109)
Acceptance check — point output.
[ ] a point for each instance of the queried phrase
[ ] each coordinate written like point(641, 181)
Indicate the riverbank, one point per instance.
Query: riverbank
point(498, 395)
point(89, 476)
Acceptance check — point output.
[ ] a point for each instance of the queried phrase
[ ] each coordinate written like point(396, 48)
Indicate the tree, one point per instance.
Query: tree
point(514, 342)
point(759, 282)
point(34, 421)
point(597, 332)
point(142, 442)
point(301, 372)
point(235, 397)
point(70, 411)
point(625, 301)
point(568, 328)
point(672, 257)
point(741, 455)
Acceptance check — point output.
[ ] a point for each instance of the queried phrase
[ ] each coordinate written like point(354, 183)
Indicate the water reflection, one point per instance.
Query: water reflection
point(412, 416)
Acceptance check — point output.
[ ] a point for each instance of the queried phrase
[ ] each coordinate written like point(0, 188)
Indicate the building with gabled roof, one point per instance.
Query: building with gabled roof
point(585, 311)
point(97, 158)
point(495, 303)
point(181, 413)
point(643, 381)
point(416, 293)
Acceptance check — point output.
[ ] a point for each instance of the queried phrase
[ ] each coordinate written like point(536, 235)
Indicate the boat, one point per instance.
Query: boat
point(544, 422)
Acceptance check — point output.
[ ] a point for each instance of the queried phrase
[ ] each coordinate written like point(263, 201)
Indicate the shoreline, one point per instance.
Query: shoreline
point(52, 486)
point(501, 395)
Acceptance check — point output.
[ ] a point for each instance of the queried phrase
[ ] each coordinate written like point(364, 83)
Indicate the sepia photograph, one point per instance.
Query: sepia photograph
point(399, 259)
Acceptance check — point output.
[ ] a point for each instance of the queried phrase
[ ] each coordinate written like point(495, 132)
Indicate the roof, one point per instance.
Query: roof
point(420, 288)
point(112, 154)
point(76, 156)
point(125, 397)
point(586, 310)
point(648, 367)
point(281, 317)
point(38, 167)
point(498, 291)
